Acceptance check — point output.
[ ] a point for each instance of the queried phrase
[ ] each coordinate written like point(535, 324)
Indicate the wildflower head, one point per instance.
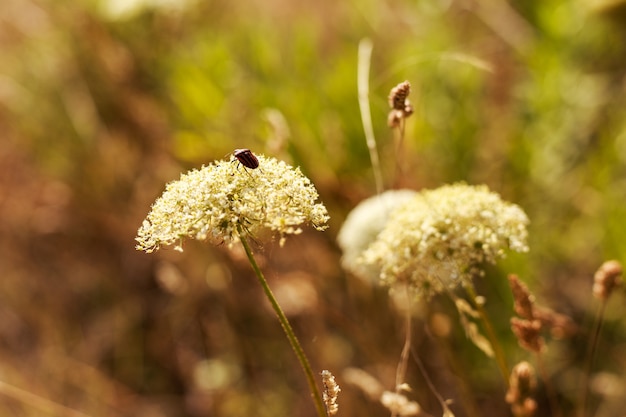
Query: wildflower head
point(440, 238)
point(219, 202)
point(363, 225)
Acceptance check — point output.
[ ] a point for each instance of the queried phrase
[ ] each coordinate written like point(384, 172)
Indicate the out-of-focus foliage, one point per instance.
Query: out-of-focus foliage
point(104, 101)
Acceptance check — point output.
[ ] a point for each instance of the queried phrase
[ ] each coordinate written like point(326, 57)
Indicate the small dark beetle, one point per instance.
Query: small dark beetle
point(246, 158)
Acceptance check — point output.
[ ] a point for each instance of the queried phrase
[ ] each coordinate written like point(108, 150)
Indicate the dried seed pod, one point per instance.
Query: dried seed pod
point(331, 392)
point(528, 334)
point(398, 96)
point(401, 107)
point(522, 298)
point(606, 278)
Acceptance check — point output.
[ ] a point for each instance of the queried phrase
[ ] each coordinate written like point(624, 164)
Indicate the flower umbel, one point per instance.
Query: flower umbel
point(218, 201)
point(439, 238)
point(363, 225)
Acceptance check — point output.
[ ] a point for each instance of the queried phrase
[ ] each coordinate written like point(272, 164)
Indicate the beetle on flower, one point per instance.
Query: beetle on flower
point(246, 158)
point(212, 203)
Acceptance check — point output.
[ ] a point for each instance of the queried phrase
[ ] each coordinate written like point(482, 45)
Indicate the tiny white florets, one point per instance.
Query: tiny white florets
point(363, 225)
point(440, 237)
point(219, 201)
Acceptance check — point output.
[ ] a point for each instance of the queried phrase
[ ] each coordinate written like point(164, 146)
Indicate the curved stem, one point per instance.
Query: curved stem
point(291, 336)
point(363, 72)
point(491, 334)
point(44, 405)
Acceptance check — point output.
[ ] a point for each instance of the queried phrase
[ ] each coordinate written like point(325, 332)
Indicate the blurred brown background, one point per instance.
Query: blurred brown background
point(103, 102)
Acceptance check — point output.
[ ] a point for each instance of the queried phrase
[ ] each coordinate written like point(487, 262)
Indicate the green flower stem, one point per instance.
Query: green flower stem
point(491, 334)
point(293, 340)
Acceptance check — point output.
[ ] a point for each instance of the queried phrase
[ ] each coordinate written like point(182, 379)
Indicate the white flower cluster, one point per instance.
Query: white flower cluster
point(440, 238)
point(363, 225)
point(224, 199)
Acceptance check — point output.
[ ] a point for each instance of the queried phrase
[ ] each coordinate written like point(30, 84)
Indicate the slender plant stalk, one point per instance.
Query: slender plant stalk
point(400, 159)
point(406, 350)
point(591, 353)
point(429, 383)
point(365, 54)
point(491, 334)
point(550, 391)
point(291, 336)
point(44, 405)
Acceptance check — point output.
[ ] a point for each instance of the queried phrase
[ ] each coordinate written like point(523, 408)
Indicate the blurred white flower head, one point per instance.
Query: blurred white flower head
point(128, 9)
point(219, 201)
point(363, 225)
point(440, 238)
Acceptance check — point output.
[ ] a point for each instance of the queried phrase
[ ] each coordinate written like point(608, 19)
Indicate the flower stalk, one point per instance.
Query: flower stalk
point(220, 204)
point(291, 336)
point(365, 55)
point(606, 279)
point(498, 352)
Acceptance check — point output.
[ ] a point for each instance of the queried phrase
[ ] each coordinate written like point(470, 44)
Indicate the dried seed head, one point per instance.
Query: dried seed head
point(560, 325)
point(331, 392)
point(524, 305)
point(606, 278)
point(399, 95)
point(401, 107)
point(522, 386)
point(528, 333)
point(522, 298)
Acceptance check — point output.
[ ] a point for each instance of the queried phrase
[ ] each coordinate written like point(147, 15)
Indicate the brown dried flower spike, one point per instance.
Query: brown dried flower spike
point(528, 334)
point(522, 384)
point(606, 278)
point(331, 392)
point(401, 107)
point(522, 298)
point(535, 318)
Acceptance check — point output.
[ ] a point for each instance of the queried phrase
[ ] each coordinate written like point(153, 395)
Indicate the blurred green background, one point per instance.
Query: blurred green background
point(103, 102)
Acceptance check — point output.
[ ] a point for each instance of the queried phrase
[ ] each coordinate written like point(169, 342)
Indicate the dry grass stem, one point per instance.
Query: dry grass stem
point(365, 56)
point(605, 280)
